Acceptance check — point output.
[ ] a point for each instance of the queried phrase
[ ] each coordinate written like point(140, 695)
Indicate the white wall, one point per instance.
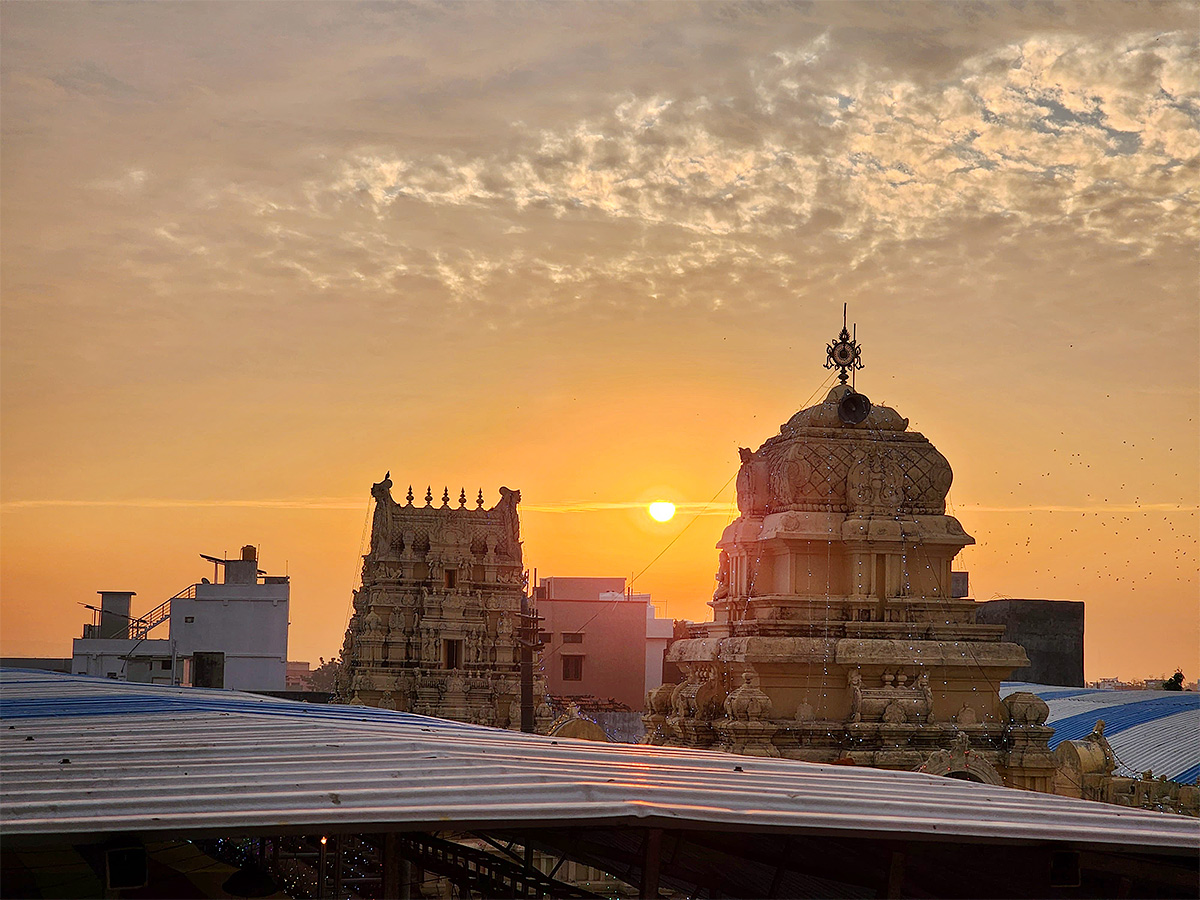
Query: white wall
point(99, 657)
point(658, 635)
point(246, 622)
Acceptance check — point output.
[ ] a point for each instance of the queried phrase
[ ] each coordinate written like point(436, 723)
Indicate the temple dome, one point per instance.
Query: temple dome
point(819, 463)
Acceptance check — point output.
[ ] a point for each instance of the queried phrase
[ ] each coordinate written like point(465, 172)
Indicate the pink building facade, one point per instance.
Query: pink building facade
point(600, 640)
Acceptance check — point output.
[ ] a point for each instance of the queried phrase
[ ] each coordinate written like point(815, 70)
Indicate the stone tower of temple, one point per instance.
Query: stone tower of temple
point(435, 623)
point(835, 636)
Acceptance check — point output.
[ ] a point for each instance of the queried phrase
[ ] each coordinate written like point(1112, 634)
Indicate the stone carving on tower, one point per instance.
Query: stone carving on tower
point(434, 627)
point(835, 637)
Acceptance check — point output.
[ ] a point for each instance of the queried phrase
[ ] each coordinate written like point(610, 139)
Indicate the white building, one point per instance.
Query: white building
point(231, 633)
point(115, 645)
point(147, 662)
point(125, 659)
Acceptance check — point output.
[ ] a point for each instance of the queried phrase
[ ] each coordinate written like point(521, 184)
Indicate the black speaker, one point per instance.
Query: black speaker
point(853, 408)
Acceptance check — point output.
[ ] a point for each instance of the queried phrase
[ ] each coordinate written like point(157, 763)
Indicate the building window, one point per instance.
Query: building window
point(188, 620)
point(165, 665)
point(572, 637)
point(451, 576)
point(452, 653)
point(572, 668)
point(544, 638)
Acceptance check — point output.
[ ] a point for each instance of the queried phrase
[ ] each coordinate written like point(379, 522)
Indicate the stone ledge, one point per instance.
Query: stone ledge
point(866, 651)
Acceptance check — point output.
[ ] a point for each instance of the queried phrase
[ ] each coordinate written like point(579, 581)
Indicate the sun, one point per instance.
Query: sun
point(662, 511)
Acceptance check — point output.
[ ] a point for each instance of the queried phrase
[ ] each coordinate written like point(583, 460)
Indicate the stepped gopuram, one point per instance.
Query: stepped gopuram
point(435, 623)
point(835, 635)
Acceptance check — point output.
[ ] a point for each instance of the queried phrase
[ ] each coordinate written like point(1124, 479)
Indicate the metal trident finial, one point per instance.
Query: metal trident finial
point(844, 353)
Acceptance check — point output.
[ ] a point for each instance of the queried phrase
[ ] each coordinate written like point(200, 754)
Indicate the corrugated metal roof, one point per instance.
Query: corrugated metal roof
point(93, 756)
point(1148, 730)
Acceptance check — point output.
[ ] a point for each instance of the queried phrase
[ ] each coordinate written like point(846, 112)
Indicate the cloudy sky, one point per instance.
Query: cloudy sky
point(254, 255)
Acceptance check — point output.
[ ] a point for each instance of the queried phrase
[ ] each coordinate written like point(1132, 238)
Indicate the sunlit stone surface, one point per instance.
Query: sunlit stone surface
point(434, 628)
point(835, 635)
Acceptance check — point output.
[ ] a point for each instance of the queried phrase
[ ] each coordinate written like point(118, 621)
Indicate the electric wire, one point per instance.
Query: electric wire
point(551, 652)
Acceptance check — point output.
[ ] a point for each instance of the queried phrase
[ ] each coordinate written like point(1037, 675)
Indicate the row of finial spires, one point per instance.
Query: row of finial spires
point(462, 497)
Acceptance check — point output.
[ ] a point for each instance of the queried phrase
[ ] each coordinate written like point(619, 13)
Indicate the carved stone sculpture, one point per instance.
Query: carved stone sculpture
point(438, 595)
point(854, 679)
point(748, 702)
point(747, 728)
point(926, 694)
point(658, 708)
point(960, 761)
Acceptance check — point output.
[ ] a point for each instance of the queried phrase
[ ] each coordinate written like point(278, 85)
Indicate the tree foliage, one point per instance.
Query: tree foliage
point(323, 676)
point(1175, 682)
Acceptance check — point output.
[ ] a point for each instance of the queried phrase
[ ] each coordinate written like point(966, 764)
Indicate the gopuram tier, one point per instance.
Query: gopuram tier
point(436, 622)
point(835, 636)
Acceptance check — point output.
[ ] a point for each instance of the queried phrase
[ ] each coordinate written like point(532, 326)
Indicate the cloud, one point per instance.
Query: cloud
point(341, 503)
point(1097, 508)
point(811, 163)
point(90, 79)
point(184, 503)
point(332, 170)
point(683, 508)
point(128, 182)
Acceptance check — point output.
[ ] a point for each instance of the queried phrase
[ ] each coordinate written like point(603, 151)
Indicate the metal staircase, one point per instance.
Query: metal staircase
point(139, 628)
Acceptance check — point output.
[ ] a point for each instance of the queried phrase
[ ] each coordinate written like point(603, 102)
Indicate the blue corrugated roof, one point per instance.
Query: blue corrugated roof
point(1057, 694)
point(1156, 731)
point(1120, 716)
point(179, 700)
point(1189, 776)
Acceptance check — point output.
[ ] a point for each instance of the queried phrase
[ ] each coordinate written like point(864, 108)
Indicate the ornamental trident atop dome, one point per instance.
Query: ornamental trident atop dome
point(844, 353)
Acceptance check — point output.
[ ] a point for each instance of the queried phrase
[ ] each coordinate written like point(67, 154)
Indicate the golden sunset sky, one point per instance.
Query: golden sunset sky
point(256, 254)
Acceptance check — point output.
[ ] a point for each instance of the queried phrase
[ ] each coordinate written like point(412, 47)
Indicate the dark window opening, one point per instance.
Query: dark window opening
point(451, 576)
point(452, 651)
point(165, 665)
point(188, 620)
point(208, 669)
point(965, 776)
point(572, 668)
point(572, 637)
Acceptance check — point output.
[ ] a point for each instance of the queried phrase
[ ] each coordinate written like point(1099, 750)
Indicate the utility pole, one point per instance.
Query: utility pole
point(527, 639)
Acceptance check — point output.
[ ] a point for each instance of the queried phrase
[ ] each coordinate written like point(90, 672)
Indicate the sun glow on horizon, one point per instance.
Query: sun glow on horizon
point(662, 511)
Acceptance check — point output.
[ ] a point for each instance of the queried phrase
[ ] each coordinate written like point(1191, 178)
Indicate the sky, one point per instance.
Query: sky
point(252, 256)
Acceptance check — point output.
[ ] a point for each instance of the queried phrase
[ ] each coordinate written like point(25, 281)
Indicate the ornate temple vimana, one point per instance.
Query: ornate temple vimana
point(435, 623)
point(835, 636)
